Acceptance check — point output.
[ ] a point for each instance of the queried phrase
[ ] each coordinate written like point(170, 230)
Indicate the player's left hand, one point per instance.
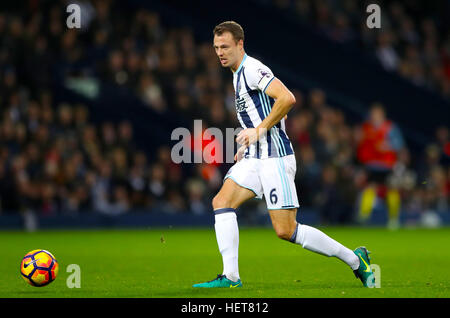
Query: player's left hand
point(240, 153)
point(247, 137)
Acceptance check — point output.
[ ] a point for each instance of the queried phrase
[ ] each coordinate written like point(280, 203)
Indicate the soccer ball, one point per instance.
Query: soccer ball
point(39, 268)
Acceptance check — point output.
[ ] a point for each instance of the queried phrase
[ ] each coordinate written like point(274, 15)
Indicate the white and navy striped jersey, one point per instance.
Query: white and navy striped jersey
point(253, 105)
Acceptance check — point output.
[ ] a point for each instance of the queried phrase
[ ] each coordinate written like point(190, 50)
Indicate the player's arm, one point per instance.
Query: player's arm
point(284, 100)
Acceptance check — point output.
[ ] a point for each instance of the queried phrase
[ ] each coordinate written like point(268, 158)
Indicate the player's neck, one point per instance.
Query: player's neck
point(238, 65)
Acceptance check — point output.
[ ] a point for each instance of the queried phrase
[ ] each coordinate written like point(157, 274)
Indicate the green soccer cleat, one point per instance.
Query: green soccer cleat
point(364, 272)
point(221, 281)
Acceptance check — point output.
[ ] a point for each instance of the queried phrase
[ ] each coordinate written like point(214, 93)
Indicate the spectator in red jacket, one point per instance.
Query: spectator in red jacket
point(379, 142)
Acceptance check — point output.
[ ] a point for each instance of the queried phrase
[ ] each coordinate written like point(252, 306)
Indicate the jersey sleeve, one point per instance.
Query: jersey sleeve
point(258, 76)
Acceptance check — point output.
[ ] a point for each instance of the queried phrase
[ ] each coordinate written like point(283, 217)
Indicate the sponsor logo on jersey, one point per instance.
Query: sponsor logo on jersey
point(240, 104)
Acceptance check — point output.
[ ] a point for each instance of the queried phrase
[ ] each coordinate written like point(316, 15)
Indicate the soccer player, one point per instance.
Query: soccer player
point(265, 165)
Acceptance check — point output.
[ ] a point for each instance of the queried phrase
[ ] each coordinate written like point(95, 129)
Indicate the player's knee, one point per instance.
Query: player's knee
point(220, 202)
point(283, 233)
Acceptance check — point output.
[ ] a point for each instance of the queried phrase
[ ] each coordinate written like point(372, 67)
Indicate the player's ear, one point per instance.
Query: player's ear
point(241, 43)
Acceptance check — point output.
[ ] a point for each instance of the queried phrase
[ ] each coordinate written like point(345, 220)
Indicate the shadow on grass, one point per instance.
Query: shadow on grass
point(258, 290)
point(28, 293)
point(71, 293)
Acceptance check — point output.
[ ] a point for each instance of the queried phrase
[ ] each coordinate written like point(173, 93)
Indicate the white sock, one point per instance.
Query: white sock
point(227, 234)
point(314, 240)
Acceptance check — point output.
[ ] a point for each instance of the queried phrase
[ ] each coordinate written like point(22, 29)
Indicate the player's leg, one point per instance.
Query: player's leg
point(284, 222)
point(282, 203)
point(241, 184)
point(231, 195)
point(225, 203)
point(285, 225)
point(312, 239)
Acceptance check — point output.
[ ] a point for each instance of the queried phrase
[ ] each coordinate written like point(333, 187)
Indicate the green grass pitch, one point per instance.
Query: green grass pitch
point(166, 262)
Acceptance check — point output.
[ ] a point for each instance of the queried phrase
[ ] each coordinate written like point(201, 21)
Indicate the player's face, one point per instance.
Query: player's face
point(227, 49)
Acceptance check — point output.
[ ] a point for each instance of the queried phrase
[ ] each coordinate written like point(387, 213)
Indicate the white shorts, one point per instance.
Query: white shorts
point(271, 177)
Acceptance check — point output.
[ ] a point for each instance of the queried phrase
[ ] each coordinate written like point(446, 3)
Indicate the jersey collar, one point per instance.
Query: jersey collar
point(240, 66)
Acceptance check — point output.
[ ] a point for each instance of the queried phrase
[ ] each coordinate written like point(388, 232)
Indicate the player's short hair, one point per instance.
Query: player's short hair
point(230, 26)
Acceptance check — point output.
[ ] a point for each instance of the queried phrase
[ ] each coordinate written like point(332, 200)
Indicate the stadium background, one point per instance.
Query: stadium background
point(86, 115)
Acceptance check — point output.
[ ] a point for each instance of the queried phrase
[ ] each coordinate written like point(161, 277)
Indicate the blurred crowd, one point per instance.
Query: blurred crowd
point(54, 159)
point(414, 39)
point(339, 161)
